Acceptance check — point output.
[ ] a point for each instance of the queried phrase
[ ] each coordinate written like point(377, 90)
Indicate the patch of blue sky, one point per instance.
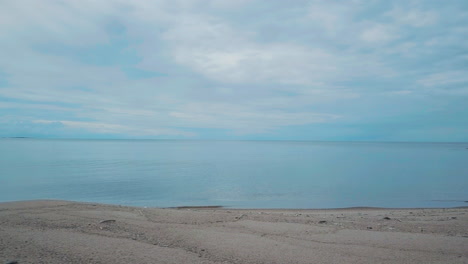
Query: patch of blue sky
point(287, 93)
point(50, 130)
point(115, 27)
point(134, 73)
point(37, 113)
point(117, 52)
point(3, 80)
point(211, 133)
point(80, 88)
point(29, 102)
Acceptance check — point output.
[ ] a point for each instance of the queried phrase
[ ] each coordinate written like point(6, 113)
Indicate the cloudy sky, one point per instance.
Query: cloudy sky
point(235, 69)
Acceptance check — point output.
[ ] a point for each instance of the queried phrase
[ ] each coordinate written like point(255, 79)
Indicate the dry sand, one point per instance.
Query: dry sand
point(69, 232)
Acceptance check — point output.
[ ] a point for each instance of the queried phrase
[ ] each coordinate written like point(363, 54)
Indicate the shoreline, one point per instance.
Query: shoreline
point(52, 231)
point(226, 207)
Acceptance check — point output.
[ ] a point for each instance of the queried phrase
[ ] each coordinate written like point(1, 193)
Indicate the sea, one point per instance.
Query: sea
point(236, 174)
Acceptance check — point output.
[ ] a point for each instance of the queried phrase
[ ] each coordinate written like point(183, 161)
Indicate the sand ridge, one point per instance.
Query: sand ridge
point(70, 232)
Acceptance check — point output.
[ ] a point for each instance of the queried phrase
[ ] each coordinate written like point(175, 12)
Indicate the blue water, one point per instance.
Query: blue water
point(240, 174)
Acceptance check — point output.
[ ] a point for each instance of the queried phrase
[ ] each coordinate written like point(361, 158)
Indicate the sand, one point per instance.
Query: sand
point(70, 232)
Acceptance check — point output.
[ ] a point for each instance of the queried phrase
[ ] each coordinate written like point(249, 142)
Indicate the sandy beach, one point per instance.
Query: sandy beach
point(71, 232)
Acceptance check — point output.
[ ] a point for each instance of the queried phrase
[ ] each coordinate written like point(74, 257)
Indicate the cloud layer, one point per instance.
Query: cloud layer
point(306, 70)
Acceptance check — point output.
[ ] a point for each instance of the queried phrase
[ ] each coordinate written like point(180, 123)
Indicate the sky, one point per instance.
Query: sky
point(346, 70)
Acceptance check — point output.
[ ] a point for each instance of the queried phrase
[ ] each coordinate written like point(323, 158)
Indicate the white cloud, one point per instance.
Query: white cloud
point(10, 105)
point(70, 22)
point(333, 16)
point(245, 119)
point(256, 64)
point(414, 17)
point(445, 78)
point(97, 127)
point(379, 34)
point(222, 53)
point(447, 83)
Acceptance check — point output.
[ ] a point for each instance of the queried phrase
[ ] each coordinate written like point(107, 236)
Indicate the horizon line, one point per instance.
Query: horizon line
point(185, 139)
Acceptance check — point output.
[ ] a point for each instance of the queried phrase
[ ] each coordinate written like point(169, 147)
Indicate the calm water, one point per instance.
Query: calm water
point(242, 174)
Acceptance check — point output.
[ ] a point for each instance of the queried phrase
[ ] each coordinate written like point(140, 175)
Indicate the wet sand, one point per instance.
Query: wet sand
point(70, 232)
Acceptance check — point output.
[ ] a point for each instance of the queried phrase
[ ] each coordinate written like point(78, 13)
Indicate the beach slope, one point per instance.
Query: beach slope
point(71, 232)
